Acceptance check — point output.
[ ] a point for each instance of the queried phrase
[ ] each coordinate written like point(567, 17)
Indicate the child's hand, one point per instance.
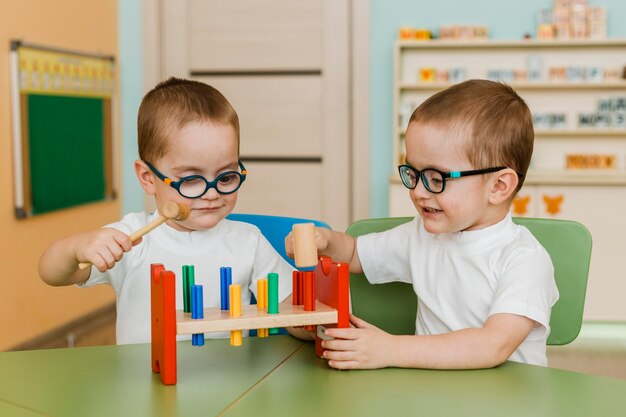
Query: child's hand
point(102, 247)
point(321, 242)
point(363, 346)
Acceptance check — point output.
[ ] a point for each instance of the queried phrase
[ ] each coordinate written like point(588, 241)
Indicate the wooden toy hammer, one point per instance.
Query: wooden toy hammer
point(305, 249)
point(170, 211)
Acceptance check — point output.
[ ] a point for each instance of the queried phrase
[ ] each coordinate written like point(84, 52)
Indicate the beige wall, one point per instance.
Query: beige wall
point(27, 306)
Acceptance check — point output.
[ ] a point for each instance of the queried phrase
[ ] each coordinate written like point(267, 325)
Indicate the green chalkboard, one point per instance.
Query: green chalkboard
point(67, 153)
point(62, 127)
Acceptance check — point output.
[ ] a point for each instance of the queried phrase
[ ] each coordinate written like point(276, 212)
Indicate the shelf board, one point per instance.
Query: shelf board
point(564, 177)
point(575, 177)
point(581, 133)
point(495, 44)
point(526, 86)
point(565, 133)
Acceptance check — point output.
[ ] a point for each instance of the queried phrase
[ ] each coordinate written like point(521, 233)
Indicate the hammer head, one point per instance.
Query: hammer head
point(175, 211)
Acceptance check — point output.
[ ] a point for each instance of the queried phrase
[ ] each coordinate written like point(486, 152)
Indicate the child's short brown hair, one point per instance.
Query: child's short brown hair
point(171, 105)
point(497, 120)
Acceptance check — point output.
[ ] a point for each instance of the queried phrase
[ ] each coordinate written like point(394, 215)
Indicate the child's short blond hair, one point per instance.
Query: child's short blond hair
point(491, 117)
point(171, 105)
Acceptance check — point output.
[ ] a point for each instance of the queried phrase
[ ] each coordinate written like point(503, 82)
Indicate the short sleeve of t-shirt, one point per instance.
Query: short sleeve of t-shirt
point(527, 288)
point(385, 256)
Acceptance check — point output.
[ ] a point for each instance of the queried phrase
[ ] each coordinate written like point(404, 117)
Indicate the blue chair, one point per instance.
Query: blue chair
point(275, 228)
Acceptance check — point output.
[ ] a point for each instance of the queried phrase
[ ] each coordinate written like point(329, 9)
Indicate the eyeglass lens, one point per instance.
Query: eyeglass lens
point(433, 180)
point(225, 183)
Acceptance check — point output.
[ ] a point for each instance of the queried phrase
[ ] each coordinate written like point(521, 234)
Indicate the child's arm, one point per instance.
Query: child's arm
point(58, 264)
point(367, 347)
point(339, 246)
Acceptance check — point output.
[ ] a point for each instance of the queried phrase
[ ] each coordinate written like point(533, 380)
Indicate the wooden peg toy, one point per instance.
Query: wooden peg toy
point(170, 211)
point(295, 291)
point(309, 294)
point(262, 303)
point(226, 279)
point(305, 249)
point(272, 297)
point(327, 303)
point(197, 312)
point(235, 311)
point(188, 282)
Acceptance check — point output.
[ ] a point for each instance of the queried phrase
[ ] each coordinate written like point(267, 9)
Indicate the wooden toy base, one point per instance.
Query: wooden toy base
point(216, 320)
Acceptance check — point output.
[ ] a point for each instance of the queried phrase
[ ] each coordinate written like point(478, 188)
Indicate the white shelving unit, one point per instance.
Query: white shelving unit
point(596, 198)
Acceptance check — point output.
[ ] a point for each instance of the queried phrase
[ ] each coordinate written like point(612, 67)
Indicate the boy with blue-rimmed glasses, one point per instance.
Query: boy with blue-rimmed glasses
point(485, 286)
point(189, 153)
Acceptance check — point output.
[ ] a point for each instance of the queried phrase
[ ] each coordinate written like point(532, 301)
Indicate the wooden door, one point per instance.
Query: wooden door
point(284, 65)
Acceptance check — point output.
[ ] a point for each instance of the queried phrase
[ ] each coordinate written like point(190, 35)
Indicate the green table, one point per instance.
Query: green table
point(118, 381)
point(13, 410)
point(304, 382)
point(281, 376)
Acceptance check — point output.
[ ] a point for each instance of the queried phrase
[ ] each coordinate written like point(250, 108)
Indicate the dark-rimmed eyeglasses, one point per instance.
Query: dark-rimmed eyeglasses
point(435, 180)
point(195, 186)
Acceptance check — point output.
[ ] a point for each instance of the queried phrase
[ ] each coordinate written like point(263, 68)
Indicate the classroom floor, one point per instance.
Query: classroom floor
point(603, 357)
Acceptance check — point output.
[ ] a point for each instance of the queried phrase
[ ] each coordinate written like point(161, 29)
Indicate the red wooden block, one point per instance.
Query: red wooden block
point(332, 288)
point(163, 330)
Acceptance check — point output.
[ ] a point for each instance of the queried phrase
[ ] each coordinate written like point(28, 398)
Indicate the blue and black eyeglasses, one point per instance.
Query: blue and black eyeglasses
point(435, 180)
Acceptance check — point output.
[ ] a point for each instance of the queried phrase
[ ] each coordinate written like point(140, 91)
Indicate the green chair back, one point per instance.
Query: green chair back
point(569, 246)
point(392, 306)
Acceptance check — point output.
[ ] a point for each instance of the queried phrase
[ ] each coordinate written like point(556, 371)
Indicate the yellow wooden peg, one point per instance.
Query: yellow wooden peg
point(235, 311)
point(261, 302)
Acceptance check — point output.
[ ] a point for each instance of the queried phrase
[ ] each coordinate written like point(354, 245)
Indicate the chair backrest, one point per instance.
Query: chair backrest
point(392, 307)
point(569, 246)
point(274, 228)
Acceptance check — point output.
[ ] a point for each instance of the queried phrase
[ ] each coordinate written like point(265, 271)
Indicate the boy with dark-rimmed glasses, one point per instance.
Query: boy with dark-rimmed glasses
point(485, 286)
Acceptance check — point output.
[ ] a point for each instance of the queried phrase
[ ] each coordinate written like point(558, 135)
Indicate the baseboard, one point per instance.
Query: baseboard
point(95, 328)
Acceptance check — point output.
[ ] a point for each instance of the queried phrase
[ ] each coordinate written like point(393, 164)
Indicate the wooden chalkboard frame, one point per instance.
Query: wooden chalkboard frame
point(71, 82)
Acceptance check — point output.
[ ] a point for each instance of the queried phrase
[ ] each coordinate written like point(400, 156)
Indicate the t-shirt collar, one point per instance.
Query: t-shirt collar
point(191, 239)
point(494, 233)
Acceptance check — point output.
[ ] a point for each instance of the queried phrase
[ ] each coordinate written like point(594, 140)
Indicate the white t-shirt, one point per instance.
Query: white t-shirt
point(230, 243)
point(462, 278)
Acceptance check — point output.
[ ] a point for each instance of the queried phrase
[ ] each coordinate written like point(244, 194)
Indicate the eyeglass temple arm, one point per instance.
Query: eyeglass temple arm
point(459, 174)
point(156, 172)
